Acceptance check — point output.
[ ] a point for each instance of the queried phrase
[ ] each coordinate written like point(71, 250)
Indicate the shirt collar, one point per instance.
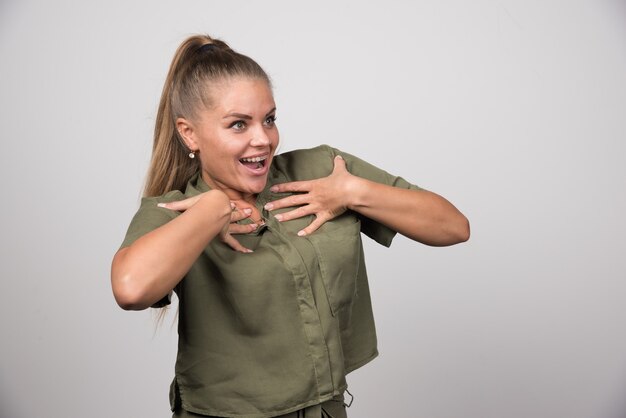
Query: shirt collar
point(197, 185)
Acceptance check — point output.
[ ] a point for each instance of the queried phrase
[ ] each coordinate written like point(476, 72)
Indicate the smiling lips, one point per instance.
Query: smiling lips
point(255, 164)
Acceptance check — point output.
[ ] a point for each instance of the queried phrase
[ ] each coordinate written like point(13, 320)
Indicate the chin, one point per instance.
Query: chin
point(256, 187)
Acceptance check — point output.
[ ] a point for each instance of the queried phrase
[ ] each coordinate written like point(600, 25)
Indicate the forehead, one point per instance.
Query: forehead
point(242, 95)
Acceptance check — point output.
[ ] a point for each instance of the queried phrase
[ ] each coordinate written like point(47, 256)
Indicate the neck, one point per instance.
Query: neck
point(234, 195)
point(237, 196)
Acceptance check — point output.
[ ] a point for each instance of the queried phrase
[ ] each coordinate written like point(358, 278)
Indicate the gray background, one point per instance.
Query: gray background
point(514, 110)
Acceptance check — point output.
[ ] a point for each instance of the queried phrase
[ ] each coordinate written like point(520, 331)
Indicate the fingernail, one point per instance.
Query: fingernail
point(339, 156)
point(269, 206)
point(253, 226)
point(162, 205)
point(278, 217)
point(249, 251)
point(247, 211)
point(274, 189)
point(301, 233)
point(232, 205)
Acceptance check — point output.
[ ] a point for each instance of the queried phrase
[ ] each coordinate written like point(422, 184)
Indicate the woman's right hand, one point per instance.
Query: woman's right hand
point(229, 229)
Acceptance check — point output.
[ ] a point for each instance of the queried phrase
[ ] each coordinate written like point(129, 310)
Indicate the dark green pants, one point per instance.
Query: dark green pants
point(333, 408)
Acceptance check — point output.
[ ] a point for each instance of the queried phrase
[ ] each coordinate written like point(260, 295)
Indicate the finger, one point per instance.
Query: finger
point(294, 186)
point(234, 244)
point(287, 202)
point(294, 214)
point(180, 205)
point(238, 215)
point(339, 164)
point(241, 229)
point(313, 226)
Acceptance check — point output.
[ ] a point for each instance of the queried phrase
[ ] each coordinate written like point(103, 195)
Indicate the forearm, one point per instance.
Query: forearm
point(148, 269)
point(417, 214)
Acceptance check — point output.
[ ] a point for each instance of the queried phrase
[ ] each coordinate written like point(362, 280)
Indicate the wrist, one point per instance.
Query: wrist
point(356, 193)
point(218, 203)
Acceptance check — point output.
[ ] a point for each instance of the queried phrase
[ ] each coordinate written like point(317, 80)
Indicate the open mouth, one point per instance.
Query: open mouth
point(254, 163)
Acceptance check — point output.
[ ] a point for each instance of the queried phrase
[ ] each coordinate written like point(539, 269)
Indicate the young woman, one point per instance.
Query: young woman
point(263, 250)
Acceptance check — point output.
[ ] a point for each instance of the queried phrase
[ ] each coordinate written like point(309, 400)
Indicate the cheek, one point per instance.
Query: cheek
point(219, 148)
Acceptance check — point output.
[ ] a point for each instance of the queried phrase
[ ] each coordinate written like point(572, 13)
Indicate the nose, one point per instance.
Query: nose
point(260, 138)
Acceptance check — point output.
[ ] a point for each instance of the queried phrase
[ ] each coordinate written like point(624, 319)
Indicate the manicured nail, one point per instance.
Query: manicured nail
point(301, 233)
point(162, 205)
point(279, 217)
point(247, 211)
point(274, 189)
point(268, 206)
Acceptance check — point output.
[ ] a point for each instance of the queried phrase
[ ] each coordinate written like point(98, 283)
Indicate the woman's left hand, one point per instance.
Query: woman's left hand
point(326, 198)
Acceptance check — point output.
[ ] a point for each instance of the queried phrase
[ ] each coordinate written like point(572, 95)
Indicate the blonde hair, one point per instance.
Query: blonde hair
point(199, 62)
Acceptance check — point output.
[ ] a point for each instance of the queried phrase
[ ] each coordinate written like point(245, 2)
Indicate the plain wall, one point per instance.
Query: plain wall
point(514, 110)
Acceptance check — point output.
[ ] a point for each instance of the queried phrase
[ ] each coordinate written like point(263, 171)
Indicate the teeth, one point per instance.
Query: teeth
point(254, 160)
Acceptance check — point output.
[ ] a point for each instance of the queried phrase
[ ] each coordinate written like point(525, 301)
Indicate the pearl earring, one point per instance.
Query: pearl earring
point(192, 155)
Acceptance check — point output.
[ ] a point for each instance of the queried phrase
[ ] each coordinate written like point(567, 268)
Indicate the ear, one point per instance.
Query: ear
point(186, 131)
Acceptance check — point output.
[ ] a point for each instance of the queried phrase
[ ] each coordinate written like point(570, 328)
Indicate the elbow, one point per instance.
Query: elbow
point(454, 232)
point(127, 291)
point(463, 230)
point(128, 296)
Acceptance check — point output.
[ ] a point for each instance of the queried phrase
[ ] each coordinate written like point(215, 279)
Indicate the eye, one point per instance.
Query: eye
point(270, 120)
point(238, 125)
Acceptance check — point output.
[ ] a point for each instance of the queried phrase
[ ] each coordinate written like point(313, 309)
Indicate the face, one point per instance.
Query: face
point(236, 138)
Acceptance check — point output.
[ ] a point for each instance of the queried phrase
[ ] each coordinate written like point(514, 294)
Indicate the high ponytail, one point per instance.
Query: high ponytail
point(195, 66)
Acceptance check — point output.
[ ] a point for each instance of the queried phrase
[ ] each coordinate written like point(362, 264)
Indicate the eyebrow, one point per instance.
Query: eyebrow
point(247, 117)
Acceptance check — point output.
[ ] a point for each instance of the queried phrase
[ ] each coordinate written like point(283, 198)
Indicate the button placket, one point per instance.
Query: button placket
point(308, 309)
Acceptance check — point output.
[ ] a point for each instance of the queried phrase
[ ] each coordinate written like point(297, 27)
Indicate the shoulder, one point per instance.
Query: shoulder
point(312, 163)
point(149, 205)
point(304, 164)
point(150, 216)
point(307, 154)
point(170, 196)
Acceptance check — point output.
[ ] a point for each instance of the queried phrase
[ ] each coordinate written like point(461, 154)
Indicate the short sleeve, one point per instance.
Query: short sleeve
point(148, 218)
point(375, 230)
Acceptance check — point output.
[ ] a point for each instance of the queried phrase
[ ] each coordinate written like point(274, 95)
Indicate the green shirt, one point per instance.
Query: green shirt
point(276, 330)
